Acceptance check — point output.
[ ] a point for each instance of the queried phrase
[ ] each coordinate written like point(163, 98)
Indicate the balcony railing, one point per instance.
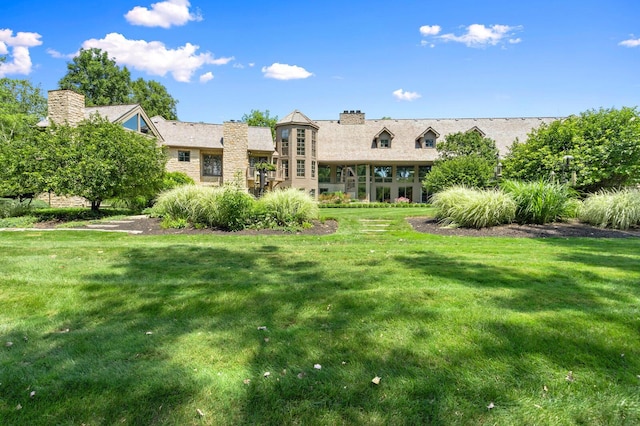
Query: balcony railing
point(271, 175)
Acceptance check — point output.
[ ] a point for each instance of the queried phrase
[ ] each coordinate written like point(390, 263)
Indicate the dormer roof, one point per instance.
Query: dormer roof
point(296, 117)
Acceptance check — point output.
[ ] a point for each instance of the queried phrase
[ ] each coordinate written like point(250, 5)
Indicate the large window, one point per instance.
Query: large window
point(324, 174)
point(383, 194)
point(313, 144)
point(300, 142)
point(136, 123)
point(284, 137)
point(184, 156)
point(422, 172)
point(406, 192)
point(211, 165)
point(300, 168)
point(285, 169)
point(405, 174)
point(382, 173)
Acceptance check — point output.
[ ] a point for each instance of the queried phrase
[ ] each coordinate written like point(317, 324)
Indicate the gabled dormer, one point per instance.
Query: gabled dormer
point(427, 139)
point(383, 139)
point(477, 130)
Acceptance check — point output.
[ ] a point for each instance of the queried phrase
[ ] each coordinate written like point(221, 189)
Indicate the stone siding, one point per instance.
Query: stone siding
point(61, 201)
point(65, 106)
point(352, 117)
point(236, 145)
point(190, 168)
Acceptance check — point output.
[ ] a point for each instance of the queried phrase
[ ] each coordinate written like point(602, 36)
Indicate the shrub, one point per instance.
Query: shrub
point(540, 202)
point(461, 206)
point(338, 197)
point(172, 180)
point(288, 207)
point(615, 209)
point(228, 207)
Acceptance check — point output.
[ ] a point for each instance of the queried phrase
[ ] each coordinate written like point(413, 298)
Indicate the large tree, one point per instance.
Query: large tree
point(261, 119)
point(601, 147)
point(98, 78)
point(154, 99)
point(22, 105)
point(103, 160)
point(465, 158)
point(103, 82)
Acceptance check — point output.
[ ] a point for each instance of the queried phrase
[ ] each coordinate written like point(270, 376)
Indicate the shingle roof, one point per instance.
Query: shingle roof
point(208, 136)
point(346, 143)
point(296, 117)
point(112, 112)
point(185, 134)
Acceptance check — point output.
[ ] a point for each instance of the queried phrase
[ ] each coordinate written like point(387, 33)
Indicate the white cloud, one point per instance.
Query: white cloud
point(406, 96)
point(430, 30)
point(154, 57)
point(162, 14)
point(478, 35)
point(206, 77)
point(285, 72)
point(55, 54)
point(630, 43)
point(515, 40)
point(17, 47)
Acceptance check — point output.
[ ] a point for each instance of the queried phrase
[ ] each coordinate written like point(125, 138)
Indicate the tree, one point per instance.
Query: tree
point(261, 119)
point(21, 106)
point(98, 78)
point(103, 160)
point(154, 99)
point(601, 147)
point(466, 158)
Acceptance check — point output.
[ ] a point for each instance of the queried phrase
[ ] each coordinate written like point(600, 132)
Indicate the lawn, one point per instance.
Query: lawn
point(99, 328)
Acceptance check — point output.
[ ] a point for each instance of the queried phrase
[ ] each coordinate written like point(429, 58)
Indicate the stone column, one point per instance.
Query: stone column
point(65, 107)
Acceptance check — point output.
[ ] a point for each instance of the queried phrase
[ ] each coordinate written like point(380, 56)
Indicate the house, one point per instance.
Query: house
point(372, 160)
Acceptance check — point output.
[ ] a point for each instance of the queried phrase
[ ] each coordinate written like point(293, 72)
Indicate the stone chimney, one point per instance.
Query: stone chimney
point(235, 157)
point(352, 117)
point(65, 106)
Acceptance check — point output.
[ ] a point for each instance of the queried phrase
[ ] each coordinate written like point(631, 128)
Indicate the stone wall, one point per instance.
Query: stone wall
point(236, 145)
point(352, 117)
point(190, 168)
point(61, 201)
point(65, 106)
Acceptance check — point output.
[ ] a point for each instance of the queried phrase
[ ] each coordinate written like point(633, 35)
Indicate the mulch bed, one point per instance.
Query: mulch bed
point(555, 230)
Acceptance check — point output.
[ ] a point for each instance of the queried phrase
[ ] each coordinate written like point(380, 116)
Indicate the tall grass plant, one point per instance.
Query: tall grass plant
point(618, 209)
point(541, 202)
point(288, 207)
point(470, 208)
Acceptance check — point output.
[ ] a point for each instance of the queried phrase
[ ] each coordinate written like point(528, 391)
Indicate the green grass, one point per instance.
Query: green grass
point(450, 324)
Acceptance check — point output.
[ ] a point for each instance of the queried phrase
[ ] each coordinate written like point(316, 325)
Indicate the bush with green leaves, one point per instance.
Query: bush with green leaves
point(228, 207)
point(287, 207)
point(541, 202)
point(468, 170)
point(618, 209)
point(10, 207)
point(473, 208)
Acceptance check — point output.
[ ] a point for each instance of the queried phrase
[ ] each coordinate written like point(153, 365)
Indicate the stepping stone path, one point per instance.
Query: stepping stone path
point(374, 225)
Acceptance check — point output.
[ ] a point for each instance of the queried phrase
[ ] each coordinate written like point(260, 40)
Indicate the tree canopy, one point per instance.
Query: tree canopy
point(99, 160)
point(103, 82)
point(261, 119)
point(465, 158)
point(154, 99)
point(602, 148)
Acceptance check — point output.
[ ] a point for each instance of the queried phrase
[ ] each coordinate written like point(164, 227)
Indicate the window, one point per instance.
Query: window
point(313, 144)
point(406, 192)
point(405, 174)
point(211, 165)
point(382, 173)
point(136, 123)
point(324, 174)
point(285, 169)
point(284, 136)
point(184, 156)
point(384, 143)
point(255, 160)
point(300, 144)
point(422, 172)
point(300, 168)
point(429, 143)
point(313, 169)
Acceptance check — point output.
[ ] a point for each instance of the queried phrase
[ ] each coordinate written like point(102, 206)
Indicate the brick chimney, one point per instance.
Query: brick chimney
point(65, 106)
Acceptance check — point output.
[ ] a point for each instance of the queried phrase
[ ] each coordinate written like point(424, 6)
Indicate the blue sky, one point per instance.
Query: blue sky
point(403, 59)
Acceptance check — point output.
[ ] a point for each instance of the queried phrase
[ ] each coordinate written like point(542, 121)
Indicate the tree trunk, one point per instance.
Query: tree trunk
point(95, 205)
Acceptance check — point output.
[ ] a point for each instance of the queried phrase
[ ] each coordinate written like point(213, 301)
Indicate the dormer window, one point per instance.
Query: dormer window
point(383, 139)
point(427, 139)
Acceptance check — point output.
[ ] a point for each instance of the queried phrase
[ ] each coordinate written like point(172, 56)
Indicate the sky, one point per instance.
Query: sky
point(398, 59)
